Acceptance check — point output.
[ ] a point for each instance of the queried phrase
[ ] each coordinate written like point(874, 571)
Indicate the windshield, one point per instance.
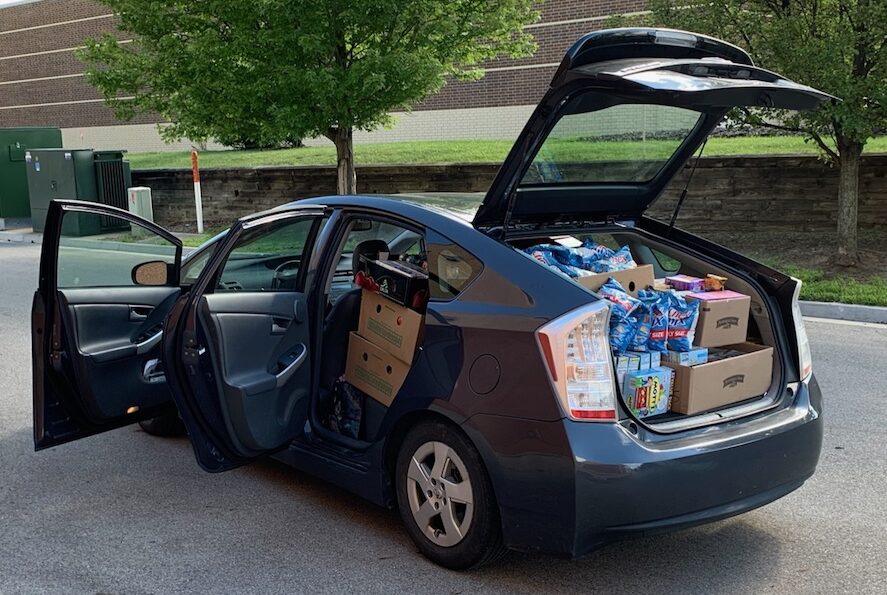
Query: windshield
point(622, 143)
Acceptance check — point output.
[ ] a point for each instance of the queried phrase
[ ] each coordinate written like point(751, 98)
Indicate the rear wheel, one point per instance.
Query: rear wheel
point(167, 426)
point(445, 498)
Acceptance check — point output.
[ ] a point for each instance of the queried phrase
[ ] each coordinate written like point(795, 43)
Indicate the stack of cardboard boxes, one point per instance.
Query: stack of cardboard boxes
point(381, 352)
point(720, 367)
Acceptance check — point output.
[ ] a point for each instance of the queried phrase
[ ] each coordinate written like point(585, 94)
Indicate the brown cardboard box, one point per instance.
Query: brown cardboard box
point(374, 371)
point(721, 321)
point(388, 325)
point(632, 280)
point(719, 383)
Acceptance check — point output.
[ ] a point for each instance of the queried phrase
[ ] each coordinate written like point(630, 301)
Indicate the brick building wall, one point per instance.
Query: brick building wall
point(42, 83)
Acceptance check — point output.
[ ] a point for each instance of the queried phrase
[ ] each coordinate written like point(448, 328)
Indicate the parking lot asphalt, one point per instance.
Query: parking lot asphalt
point(124, 512)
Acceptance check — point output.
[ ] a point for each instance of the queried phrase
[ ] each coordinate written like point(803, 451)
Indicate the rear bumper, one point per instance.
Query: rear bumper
point(615, 485)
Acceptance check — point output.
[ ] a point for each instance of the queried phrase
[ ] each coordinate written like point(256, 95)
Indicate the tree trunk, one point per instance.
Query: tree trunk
point(848, 202)
point(347, 177)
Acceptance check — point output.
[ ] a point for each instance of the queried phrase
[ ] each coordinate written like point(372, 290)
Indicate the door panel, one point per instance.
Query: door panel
point(240, 366)
point(95, 332)
point(260, 354)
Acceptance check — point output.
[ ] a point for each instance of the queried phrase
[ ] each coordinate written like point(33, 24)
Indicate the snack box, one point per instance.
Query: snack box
point(694, 357)
point(646, 391)
point(373, 370)
point(625, 363)
point(390, 326)
point(686, 283)
point(632, 280)
point(396, 280)
point(723, 317)
point(715, 384)
point(647, 359)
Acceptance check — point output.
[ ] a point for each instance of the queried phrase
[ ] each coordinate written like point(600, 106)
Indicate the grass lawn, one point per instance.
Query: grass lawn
point(476, 151)
point(820, 287)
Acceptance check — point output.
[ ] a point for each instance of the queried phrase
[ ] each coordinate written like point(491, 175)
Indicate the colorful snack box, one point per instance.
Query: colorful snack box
point(694, 357)
point(646, 392)
point(686, 283)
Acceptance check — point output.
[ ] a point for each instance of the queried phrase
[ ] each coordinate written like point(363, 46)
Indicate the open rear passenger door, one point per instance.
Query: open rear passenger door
point(238, 345)
point(107, 281)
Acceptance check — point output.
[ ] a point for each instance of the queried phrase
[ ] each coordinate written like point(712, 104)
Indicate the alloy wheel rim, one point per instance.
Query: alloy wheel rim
point(440, 495)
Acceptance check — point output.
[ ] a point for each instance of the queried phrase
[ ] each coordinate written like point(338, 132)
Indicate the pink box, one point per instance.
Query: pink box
point(726, 294)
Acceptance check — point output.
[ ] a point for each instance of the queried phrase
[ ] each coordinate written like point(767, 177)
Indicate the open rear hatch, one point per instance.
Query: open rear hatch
point(625, 111)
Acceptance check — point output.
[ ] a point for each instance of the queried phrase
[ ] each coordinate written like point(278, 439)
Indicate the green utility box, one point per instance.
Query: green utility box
point(14, 143)
point(81, 174)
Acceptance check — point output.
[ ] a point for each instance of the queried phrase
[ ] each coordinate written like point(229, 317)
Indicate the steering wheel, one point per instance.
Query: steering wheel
point(285, 275)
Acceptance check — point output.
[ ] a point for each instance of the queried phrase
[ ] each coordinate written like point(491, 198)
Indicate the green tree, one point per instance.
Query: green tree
point(272, 70)
point(839, 46)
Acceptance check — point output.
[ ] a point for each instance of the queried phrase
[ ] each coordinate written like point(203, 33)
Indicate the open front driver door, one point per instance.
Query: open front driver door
point(107, 281)
point(238, 346)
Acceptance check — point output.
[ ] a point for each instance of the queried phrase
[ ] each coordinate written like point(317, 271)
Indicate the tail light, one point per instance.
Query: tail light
point(577, 353)
point(805, 361)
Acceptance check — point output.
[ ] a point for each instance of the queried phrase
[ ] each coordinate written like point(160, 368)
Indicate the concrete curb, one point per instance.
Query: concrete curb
point(21, 236)
point(839, 311)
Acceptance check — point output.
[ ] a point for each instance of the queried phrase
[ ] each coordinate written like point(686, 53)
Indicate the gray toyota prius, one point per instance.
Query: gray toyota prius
point(509, 429)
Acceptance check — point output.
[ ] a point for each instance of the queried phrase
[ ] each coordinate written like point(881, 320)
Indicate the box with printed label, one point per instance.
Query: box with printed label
point(722, 382)
point(373, 370)
point(625, 363)
point(646, 391)
point(647, 359)
point(694, 357)
point(390, 326)
point(723, 318)
point(631, 280)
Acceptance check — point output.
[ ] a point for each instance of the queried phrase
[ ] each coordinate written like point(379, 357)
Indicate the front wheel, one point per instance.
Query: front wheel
point(445, 498)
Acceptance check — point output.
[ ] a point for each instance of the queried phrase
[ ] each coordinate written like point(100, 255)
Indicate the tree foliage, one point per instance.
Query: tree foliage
point(271, 70)
point(838, 46)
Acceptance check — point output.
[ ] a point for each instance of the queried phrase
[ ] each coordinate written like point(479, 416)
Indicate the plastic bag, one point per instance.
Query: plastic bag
point(619, 261)
point(659, 305)
point(591, 251)
point(347, 409)
point(682, 317)
point(612, 291)
point(644, 315)
point(623, 325)
point(547, 257)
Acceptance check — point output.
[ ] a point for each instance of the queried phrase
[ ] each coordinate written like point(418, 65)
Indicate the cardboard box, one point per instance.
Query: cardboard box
point(373, 370)
point(694, 357)
point(399, 281)
point(644, 360)
point(390, 326)
point(715, 384)
point(723, 318)
point(646, 391)
point(631, 279)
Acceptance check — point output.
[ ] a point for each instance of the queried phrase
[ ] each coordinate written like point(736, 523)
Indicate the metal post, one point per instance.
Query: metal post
point(198, 199)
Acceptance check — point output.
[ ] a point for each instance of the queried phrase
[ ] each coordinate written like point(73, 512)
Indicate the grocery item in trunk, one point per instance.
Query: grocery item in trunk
point(746, 374)
point(723, 317)
point(646, 391)
point(714, 283)
point(686, 283)
point(682, 318)
point(694, 357)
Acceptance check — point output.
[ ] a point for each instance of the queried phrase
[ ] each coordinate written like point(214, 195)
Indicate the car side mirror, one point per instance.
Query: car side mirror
point(153, 272)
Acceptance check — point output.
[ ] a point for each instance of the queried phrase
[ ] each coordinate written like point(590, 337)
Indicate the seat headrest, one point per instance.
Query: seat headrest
point(368, 249)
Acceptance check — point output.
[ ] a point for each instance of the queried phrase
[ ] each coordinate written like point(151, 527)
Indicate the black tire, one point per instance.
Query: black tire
point(482, 540)
point(166, 426)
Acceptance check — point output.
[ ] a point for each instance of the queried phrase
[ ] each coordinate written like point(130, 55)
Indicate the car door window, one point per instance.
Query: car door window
point(101, 250)
point(450, 267)
point(268, 259)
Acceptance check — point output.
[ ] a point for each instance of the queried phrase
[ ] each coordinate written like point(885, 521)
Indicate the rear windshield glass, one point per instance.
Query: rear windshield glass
point(620, 143)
